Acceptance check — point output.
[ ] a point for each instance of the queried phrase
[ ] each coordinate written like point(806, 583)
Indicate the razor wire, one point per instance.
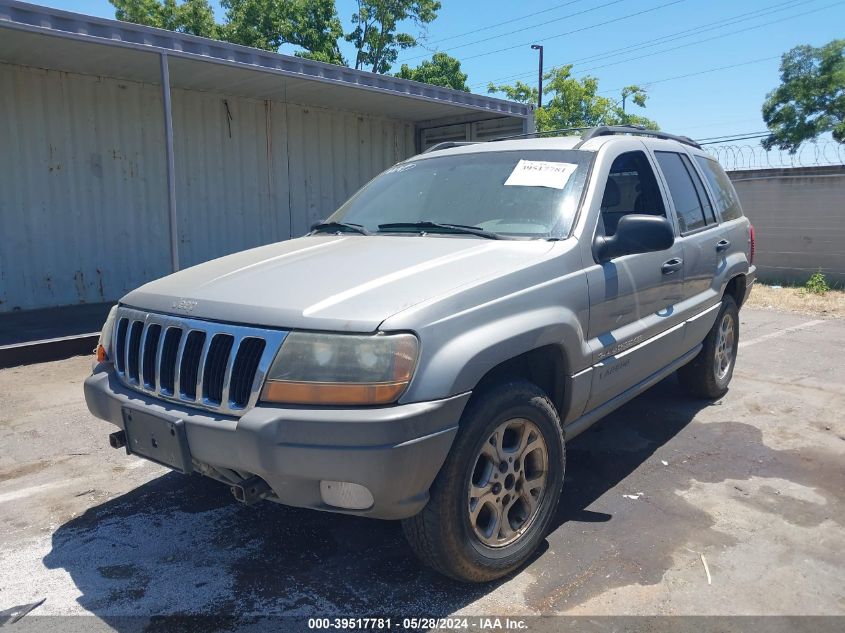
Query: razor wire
point(734, 157)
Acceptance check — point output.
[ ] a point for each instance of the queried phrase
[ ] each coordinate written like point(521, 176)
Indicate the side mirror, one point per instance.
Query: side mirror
point(635, 233)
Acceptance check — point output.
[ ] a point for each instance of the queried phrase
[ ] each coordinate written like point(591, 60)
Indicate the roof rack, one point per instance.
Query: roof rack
point(448, 144)
point(638, 130)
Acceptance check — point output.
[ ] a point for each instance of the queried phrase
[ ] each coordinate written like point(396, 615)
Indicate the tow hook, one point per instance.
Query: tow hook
point(251, 490)
point(118, 439)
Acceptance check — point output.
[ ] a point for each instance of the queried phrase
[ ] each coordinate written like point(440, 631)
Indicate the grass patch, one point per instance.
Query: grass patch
point(830, 303)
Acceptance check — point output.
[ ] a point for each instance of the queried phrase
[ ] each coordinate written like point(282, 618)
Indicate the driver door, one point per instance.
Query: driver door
point(634, 330)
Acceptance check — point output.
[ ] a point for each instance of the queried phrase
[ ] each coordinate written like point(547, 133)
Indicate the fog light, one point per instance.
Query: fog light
point(343, 494)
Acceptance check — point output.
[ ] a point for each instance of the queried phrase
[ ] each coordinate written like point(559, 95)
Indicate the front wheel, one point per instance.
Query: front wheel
point(710, 372)
point(493, 500)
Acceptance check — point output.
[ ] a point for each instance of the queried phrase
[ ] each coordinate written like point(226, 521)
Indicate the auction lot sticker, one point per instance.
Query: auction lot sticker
point(540, 173)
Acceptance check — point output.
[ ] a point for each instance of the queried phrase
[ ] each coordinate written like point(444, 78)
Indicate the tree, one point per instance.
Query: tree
point(442, 70)
point(811, 98)
point(375, 34)
point(191, 16)
point(267, 24)
point(310, 24)
point(575, 102)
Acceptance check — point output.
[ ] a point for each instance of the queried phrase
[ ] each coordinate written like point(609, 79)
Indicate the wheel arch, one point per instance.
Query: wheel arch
point(736, 288)
point(546, 366)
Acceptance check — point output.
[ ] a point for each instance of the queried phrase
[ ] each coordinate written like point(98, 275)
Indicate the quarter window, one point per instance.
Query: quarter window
point(726, 199)
point(691, 204)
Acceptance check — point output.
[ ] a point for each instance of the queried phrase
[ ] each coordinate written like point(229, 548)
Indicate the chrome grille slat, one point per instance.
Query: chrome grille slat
point(227, 374)
point(157, 369)
point(133, 349)
point(149, 355)
point(177, 370)
point(157, 362)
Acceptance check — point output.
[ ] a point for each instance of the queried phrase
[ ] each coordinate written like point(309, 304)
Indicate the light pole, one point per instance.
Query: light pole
point(539, 47)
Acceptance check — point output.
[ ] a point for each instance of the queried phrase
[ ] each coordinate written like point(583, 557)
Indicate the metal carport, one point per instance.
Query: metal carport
point(98, 193)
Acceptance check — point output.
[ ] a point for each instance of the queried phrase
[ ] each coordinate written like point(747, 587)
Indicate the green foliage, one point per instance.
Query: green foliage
point(189, 16)
point(817, 284)
point(573, 103)
point(310, 24)
point(375, 34)
point(442, 70)
point(811, 98)
point(267, 24)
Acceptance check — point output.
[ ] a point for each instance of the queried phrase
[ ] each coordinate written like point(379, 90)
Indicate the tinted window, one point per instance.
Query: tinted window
point(709, 215)
point(726, 199)
point(479, 189)
point(631, 188)
point(689, 206)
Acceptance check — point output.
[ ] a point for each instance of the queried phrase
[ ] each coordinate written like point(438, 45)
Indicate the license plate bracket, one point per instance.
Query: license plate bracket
point(157, 438)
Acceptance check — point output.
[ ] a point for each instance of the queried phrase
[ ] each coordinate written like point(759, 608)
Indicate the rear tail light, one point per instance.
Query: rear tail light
point(751, 243)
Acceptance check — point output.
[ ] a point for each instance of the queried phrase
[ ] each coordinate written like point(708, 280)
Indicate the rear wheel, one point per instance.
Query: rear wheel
point(710, 372)
point(495, 496)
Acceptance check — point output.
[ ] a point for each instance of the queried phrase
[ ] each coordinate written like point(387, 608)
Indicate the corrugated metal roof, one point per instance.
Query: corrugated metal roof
point(85, 44)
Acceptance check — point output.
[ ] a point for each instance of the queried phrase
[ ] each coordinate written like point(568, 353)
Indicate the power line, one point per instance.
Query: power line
point(719, 139)
point(667, 50)
point(736, 138)
point(695, 74)
point(583, 28)
point(510, 21)
point(724, 22)
point(715, 37)
point(526, 28)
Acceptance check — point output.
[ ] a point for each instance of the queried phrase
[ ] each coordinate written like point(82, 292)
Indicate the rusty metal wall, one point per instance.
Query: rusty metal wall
point(83, 207)
point(83, 215)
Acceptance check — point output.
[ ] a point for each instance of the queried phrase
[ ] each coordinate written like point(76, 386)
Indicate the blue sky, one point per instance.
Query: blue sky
point(672, 38)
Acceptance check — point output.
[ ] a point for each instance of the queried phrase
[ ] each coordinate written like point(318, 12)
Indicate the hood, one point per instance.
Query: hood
point(329, 282)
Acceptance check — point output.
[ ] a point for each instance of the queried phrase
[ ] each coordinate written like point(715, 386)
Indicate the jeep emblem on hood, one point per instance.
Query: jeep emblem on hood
point(185, 304)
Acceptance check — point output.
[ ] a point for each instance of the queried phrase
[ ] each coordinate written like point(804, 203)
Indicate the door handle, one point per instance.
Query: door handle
point(722, 245)
point(672, 266)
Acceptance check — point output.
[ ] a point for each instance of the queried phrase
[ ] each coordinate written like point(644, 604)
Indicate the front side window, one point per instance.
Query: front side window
point(691, 204)
point(630, 188)
point(528, 194)
point(726, 198)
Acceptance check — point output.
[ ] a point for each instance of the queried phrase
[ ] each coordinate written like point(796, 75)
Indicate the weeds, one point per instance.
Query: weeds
point(817, 284)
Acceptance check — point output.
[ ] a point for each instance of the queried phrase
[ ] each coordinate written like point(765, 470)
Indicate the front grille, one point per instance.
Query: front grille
point(205, 364)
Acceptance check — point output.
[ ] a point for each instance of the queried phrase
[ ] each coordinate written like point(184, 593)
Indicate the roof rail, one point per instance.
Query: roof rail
point(448, 144)
point(637, 130)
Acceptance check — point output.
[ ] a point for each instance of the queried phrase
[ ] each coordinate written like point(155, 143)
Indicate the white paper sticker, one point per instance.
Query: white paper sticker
point(540, 173)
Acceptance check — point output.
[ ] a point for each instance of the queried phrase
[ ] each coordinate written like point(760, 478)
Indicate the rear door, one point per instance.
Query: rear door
point(701, 238)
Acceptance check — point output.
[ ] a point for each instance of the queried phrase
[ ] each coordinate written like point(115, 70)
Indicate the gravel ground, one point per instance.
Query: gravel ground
point(753, 484)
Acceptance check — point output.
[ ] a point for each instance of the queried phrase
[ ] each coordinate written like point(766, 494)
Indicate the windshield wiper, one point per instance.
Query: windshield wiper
point(339, 227)
point(422, 225)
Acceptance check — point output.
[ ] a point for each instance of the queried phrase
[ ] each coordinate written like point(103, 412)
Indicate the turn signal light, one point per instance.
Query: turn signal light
point(100, 352)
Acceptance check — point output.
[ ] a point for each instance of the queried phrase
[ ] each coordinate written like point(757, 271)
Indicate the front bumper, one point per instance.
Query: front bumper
point(394, 451)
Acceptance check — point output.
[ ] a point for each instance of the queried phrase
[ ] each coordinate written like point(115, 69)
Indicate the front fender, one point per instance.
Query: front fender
point(465, 336)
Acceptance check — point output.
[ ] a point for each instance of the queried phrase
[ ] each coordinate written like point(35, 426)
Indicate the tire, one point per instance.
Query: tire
point(444, 534)
point(701, 377)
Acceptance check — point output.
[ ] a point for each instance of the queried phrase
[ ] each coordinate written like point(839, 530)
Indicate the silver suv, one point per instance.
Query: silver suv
point(426, 352)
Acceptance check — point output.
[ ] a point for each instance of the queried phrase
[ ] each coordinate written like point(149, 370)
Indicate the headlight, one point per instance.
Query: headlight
point(104, 344)
point(341, 369)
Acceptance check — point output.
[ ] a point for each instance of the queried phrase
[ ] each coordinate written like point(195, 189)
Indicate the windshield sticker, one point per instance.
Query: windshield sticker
point(540, 173)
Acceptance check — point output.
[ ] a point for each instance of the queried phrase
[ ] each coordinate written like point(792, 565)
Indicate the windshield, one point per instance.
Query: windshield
point(511, 193)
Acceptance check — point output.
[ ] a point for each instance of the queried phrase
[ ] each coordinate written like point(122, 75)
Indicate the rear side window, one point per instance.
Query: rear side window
point(727, 201)
point(691, 204)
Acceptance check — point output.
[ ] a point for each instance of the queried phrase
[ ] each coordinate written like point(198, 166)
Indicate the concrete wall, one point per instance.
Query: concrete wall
point(799, 220)
point(83, 205)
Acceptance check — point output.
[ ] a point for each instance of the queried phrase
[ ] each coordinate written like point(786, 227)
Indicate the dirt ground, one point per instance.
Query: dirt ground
point(753, 484)
point(797, 300)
